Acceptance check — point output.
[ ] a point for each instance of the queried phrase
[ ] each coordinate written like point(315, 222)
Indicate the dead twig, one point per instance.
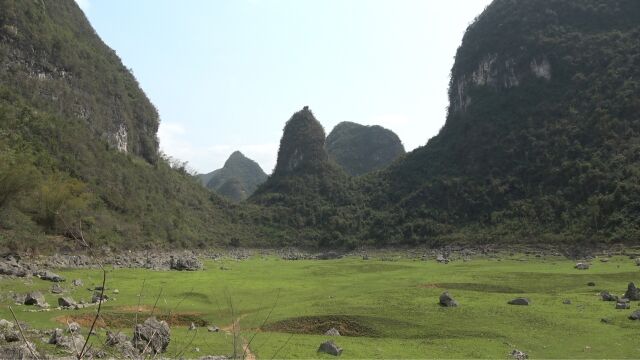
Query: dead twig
point(24, 338)
point(246, 348)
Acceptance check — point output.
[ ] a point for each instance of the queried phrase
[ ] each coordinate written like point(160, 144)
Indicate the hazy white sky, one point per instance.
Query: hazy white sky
point(226, 75)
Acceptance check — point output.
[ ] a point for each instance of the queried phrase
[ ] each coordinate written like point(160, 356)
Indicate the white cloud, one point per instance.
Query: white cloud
point(85, 5)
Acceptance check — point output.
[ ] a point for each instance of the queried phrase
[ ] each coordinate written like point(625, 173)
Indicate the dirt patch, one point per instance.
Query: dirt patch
point(127, 319)
point(489, 288)
point(318, 325)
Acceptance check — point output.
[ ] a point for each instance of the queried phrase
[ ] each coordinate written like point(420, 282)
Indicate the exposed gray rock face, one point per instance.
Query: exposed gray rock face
point(35, 298)
point(519, 301)
point(72, 343)
point(329, 347)
point(10, 266)
point(632, 292)
point(152, 336)
point(332, 332)
point(447, 301)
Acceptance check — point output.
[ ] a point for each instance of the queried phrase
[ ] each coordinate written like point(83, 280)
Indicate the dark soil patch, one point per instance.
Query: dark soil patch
point(317, 325)
point(489, 288)
point(119, 320)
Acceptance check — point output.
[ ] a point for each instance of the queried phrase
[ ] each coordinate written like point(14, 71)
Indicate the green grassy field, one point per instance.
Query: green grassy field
point(389, 309)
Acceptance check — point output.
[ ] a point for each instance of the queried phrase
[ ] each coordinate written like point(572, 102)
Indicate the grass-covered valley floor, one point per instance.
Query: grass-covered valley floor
point(384, 309)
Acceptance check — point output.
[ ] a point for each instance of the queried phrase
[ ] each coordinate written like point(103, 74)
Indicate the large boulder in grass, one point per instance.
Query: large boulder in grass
point(66, 302)
point(606, 296)
point(635, 315)
point(582, 266)
point(329, 347)
point(632, 292)
point(49, 276)
point(520, 301)
point(185, 263)
point(152, 336)
point(447, 301)
point(35, 298)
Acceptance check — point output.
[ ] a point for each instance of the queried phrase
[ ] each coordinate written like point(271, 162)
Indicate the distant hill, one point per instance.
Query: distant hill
point(361, 149)
point(237, 179)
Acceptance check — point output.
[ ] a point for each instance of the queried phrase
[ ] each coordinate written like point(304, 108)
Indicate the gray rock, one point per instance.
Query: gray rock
point(66, 302)
point(622, 306)
point(5, 324)
point(582, 266)
point(115, 338)
point(77, 282)
point(604, 260)
point(11, 336)
point(185, 264)
point(19, 350)
point(57, 289)
point(332, 332)
point(606, 320)
point(566, 302)
point(608, 297)
point(519, 355)
point(98, 297)
point(152, 335)
point(213, 328)
point(441, 259)
point(329, 347)
point(192, 326)
point(73, 327)
point(637, 261)
point(635, 315)
point(591, 283)
point(35, 298)
point(632, 292)
point(447, 301)
point(49, 276)
point(519, 301)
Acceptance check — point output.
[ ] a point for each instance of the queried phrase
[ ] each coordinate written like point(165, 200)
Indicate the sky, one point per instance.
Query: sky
point(226, 75)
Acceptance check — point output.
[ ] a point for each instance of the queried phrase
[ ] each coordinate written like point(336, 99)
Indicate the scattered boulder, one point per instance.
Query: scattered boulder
point(152, 335)
point(57, 289)
point(73, 327)
point(11, 336)
point(637, 260)
point(447, 301)
point(185, 264)
point(99, 297)
point(35, 298)
point(116, 291)
point(19, 350)
point(49, 276)
point(632, 292)
point(115, 338)
point(77, 282)
point(192, 326)
point(66, 302)
point(329, 347)
point(608, 297)
point(622, 305)
point(635, 315)
point(591, 283)
point(606, 320)
point(566, 302)
point(332, 332)
point(442, 259)
point(213, 328)
point(519, 301)
point(582, 266)
point(604, 260)
point(519, 355)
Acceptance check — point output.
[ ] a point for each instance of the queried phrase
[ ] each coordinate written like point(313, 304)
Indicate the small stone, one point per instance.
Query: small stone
point(519, 301)
point(622, 305)
point(116, 291)
point(74, 327)
point(635, 315)
point(608, 297)
point(582, 266)
point(329, 347)
point(332, 332)
point(566, 302)
point(213, 328)
point(606, 320)
point(591, 283)
point(447, 301)
point(519, 355)
point(192, 326)
point(77, 282)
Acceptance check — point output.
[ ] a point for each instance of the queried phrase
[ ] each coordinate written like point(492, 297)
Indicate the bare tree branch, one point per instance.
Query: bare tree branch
point(24, 338)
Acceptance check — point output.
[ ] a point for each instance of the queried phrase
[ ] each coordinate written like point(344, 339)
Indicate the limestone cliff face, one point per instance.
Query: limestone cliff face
point(302, 145)
point(51, 56)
